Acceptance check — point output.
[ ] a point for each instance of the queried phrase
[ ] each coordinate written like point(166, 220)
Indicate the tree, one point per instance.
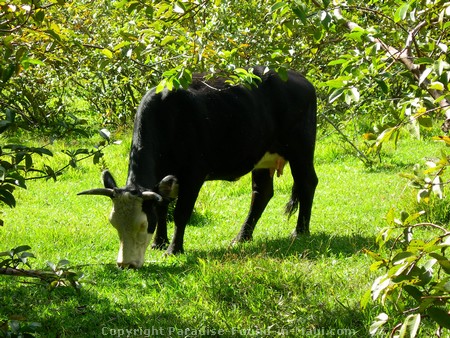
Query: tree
point(68, 66)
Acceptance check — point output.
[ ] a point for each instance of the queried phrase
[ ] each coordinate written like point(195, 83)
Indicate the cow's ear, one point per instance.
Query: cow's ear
point(108, 180)
point(168, 187)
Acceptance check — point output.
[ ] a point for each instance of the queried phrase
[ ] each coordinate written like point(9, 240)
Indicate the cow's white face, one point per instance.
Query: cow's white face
point(132, 225)
point(129, 218)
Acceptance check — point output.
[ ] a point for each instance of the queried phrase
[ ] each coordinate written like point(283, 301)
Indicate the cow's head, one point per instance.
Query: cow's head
point(134, 215)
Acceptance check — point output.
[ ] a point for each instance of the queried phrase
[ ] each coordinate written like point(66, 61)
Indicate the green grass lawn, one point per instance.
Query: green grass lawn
point(268, 287)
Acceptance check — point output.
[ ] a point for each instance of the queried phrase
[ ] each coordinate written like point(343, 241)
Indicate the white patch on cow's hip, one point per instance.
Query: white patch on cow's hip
point(272, 161)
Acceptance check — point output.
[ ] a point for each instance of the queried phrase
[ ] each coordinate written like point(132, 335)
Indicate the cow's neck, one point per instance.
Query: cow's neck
point(142, 166)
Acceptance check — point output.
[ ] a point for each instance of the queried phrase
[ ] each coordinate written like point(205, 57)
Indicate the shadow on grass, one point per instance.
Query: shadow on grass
point(66, 313)
point(312, 247)
point(118, 301)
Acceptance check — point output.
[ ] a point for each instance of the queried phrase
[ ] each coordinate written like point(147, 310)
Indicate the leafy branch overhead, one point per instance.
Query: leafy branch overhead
point(18, 165)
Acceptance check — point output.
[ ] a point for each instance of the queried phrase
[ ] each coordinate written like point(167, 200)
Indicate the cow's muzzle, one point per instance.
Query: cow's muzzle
point(127, 265)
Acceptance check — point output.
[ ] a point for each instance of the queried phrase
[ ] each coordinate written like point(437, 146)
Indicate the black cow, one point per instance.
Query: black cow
point(213, 131)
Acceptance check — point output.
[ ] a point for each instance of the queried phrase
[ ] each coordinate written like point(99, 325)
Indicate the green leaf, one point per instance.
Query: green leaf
point(336, 94)
point(278, 5)
point(384, 87)
point(365, 299)
point(426, 121)
point(52, 266)
point(374, 255)
point(337, 62)
point(355, 35)
point(390, 216)
point(50, 172)
point(444, 262)
point(424, 75)
point(410, 326)
point(7, 198)
point(401, 257)
point(381, 319)
point(413, 292)
point(28, 162)
point(380, 283)
point(301, 13)
point(107, 53)
point(168, 39)
point(54, 34)
point(409, 219)
point(27, 62)
point(179, 7)
point(440, 316)
point(97, 156)
point(336, 83)
point(39, 15)
point(385, 135)
point(400, 13)
point(424, 61)
point(161, 85)
point(20, 249)
point(106, 134)
point(436, 85)
point(63, 263)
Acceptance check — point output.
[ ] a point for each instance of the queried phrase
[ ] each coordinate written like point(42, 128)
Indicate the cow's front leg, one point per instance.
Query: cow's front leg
point(182, 213)
point(160, 239)
point(262, 192)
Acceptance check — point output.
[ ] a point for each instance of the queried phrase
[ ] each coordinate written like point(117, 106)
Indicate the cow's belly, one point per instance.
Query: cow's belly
point(272, 161)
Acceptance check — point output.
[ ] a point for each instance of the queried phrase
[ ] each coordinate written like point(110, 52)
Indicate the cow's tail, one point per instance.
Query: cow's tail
point(294, 202)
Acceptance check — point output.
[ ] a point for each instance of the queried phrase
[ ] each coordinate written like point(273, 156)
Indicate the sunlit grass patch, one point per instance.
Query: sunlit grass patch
point(272, 284)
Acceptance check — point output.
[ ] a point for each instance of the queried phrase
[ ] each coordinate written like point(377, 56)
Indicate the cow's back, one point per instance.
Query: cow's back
point(222, 131)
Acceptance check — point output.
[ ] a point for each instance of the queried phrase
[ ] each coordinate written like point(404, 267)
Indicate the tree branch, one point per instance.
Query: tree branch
point(43, 275)
point(405, 58)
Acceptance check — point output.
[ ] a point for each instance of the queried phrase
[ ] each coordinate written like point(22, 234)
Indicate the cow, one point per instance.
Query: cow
point(213, 131)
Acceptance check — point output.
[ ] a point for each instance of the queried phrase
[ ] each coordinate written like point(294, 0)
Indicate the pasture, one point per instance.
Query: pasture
point(268, 287)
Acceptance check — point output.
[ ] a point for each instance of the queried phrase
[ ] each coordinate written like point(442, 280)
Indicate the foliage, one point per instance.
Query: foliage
point(57, 275)
point(416, 284)
point(417, 279)
point(18, 163)
point(18, 329)
point(376, 68)
point(380, 67)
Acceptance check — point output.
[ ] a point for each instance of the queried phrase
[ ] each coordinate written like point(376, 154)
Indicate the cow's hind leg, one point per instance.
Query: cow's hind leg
point(305, 182)
point(262, 192)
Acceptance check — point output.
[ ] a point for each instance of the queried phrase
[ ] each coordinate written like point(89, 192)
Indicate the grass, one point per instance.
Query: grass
point(268, 287)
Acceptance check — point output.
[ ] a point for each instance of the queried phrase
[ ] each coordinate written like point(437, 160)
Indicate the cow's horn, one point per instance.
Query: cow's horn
point(151, 195)
point(99, 191)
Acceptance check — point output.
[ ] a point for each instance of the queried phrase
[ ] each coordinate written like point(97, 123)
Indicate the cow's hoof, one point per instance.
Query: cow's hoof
point(160, 245)
point(296, 234)
point(171, 251)
point(240, 239)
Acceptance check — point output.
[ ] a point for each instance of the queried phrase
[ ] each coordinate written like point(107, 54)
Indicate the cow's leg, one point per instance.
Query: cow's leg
point(160, 239)
point(182, 213)
point(305, 182)
point(262, 192)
